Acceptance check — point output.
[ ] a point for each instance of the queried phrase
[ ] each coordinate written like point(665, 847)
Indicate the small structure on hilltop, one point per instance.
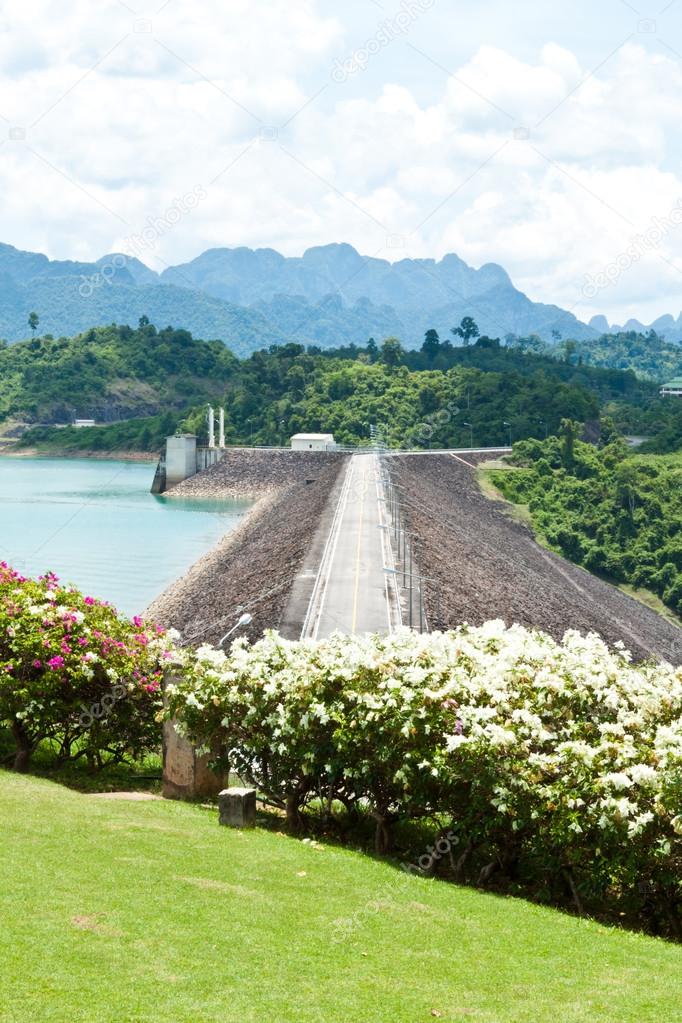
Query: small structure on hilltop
point(672, 388)
point(313, 442)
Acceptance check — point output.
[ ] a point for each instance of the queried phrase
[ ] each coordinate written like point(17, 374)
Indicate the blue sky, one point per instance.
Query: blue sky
point(544, 137)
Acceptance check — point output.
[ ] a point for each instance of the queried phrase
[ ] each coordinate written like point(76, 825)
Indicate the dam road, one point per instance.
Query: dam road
point(352, 592)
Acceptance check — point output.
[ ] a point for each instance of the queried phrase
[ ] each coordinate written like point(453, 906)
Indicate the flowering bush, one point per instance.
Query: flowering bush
point(73, 671)
point(554, 764)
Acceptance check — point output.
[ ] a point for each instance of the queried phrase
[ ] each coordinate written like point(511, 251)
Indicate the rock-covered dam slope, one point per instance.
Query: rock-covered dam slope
point(485, 565)
point(253, 568)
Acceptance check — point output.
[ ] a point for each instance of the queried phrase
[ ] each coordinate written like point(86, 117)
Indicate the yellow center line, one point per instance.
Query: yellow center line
point(357, 562)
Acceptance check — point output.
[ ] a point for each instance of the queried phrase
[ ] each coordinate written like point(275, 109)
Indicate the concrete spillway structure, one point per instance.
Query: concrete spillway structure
point(183, 458)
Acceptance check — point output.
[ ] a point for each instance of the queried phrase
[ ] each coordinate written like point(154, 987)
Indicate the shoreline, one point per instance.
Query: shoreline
point(103, 456)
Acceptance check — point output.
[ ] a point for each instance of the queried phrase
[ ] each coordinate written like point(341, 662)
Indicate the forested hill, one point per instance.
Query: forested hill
point(146, 383)
point(647, 353)
point(111, 373)
point(616, 515)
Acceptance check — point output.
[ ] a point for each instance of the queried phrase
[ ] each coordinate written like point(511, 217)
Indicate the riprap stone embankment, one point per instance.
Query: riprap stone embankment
point(254, 567)
point(482, 564)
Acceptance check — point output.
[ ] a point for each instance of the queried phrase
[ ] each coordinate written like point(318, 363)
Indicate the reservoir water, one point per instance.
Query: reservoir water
point(95, 524)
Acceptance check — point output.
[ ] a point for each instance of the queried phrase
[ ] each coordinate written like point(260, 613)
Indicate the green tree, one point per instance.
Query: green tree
point(431, 346)
point(568, 431)
point(392, 352)
point(467, 330)
point(33, 321)
point(569, 350)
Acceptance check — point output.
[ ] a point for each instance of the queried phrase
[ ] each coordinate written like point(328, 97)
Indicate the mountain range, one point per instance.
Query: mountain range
point(252, 298)
point(665, 326)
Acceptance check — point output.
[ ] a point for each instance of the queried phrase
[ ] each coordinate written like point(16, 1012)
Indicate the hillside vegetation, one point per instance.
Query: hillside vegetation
point(420, 398)
point(111, 372)
point(649, 354)
point(615, 513)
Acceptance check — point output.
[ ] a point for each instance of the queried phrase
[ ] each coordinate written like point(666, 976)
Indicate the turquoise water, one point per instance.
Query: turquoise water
point(95, 524)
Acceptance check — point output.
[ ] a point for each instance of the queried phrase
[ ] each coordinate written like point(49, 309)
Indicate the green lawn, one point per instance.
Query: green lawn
point(148, 911)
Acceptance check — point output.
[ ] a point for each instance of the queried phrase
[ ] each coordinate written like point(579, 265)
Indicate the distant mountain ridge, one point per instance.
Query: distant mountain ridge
point(415, 294)
point(666, 326)
point(252, 298)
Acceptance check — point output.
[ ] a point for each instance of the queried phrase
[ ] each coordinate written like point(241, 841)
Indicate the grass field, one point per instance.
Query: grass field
point(133, 912)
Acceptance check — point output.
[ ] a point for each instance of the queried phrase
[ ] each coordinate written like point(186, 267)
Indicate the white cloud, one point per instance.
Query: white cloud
point(115, 139)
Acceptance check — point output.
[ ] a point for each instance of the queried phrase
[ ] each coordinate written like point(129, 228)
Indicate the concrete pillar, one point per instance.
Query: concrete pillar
point(181, 458)
point(237, 807)
point(185, 774)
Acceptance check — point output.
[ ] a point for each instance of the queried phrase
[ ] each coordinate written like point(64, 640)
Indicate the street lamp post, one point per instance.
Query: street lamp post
point(245, 619)
point(509, 427)
point(471, 434)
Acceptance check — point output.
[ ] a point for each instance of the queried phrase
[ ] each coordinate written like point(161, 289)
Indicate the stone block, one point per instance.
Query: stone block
point(237, 807)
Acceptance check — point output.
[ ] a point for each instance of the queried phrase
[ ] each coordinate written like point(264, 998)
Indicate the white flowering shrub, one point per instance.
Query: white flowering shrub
point(557, 765)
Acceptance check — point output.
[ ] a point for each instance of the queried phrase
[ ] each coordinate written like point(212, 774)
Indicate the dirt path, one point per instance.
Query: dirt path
point(486, 565)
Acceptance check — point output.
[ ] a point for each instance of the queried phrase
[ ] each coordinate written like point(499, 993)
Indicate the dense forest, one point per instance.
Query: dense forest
point(616, 514)
point(141, 384)
point(110, 373)
point(648, 354)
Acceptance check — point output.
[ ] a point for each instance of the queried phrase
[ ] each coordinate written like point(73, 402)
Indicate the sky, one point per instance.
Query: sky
point(542, 136)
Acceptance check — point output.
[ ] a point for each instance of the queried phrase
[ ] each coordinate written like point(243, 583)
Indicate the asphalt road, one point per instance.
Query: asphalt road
point(353, 594)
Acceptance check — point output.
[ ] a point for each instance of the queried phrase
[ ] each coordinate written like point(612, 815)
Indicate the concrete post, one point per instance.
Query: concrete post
point(185, 774)
point(237, 807)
